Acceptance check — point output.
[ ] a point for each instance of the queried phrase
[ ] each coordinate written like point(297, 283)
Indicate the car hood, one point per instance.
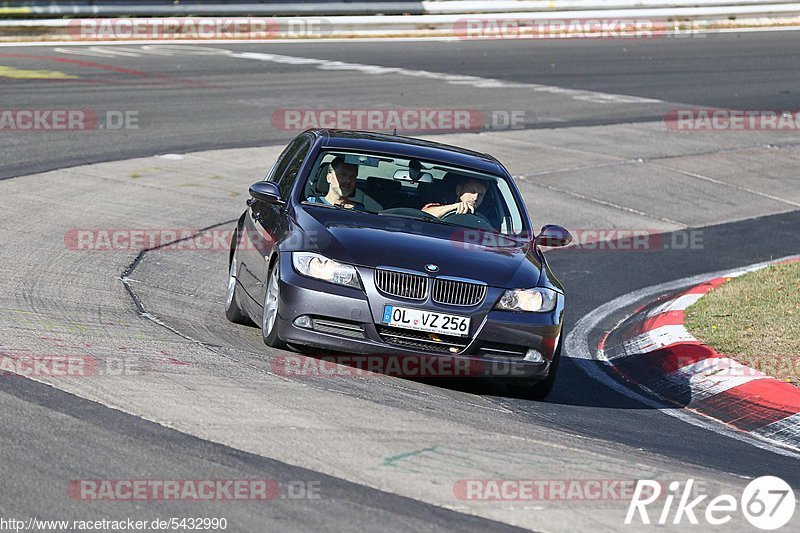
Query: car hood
point(376, 240)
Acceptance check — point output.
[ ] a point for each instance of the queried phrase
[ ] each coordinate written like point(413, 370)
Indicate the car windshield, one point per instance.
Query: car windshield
point(426, 190)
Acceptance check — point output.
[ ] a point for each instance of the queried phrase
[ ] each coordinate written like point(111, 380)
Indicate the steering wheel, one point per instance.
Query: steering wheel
point(406, 211)
point(472, 220)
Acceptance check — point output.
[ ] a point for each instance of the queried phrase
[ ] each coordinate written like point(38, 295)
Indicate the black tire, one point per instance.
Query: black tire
point(541, 389)
point(233, 310)
point(272, 300)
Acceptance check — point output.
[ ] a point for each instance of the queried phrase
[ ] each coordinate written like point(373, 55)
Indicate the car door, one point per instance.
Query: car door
point(265, 225)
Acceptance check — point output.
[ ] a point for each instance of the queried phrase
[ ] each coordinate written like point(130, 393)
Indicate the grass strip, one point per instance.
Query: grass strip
point(755, 319)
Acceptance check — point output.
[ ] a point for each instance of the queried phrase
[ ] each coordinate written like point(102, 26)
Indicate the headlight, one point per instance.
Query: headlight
point(320, 267)
point(532, 300)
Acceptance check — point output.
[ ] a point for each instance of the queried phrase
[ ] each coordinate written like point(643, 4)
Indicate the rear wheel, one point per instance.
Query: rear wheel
point(233, 311)
point(541, 389)
point(272, 302)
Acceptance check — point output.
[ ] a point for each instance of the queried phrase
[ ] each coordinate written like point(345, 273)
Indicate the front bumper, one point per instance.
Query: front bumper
point(347, 321)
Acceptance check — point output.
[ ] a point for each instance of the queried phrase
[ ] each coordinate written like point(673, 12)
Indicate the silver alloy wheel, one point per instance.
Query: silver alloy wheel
point(231, 284)
point(271, 302)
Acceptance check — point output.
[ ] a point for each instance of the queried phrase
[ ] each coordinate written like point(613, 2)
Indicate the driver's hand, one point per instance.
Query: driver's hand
point(463, 208)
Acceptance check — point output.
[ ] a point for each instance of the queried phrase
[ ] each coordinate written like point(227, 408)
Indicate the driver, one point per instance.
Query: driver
point(469, 195)
point(342, 183)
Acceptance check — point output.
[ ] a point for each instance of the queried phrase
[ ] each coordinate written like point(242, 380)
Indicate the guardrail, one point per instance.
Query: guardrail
point(145, 8)
point(664, 16)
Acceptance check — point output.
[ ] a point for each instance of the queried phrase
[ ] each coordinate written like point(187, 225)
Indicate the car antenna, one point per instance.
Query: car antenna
point(394, 132)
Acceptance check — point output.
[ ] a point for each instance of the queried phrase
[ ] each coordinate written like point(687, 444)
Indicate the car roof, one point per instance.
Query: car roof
point(407, 147)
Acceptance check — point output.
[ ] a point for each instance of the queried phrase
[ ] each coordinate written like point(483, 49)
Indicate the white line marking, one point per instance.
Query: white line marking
point(681, 303)
point(145, 50)
point(711, 376)
point(787, 430)
point(454, 79)
point(712, 366)
point(604, 202)
point(726, 184)
point(578, 348)
point(655, 339)
point(90, 52)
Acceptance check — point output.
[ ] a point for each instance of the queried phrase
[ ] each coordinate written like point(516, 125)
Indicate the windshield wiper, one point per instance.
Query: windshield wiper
point(424, 219)
point(335, 206)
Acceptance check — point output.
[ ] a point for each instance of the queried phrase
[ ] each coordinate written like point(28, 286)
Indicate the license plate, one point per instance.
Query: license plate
point(430, 321)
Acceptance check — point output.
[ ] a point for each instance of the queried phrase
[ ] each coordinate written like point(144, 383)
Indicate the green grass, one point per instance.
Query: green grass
point(755, 319)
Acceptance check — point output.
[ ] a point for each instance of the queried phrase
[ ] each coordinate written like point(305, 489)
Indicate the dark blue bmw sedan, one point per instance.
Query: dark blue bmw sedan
point(367, 243)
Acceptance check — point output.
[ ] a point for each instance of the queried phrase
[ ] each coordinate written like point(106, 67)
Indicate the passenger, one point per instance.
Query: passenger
point(341, 178)
point(469, 195)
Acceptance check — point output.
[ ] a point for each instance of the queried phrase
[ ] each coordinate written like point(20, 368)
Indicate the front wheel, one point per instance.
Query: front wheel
point(233, 311)
point(272, 302)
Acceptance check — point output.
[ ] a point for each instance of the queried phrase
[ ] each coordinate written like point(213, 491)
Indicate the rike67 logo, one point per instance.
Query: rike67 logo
point(767, 502)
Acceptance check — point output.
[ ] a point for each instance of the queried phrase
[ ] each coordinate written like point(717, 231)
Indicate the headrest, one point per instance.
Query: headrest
point(318, 185)
point(384, 184)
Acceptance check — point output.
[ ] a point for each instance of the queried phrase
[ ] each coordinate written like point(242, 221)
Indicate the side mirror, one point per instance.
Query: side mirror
point(266, 191)
point(552, 235)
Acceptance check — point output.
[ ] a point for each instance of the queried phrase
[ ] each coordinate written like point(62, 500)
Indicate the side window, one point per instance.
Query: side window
point(279, 163)
point(285, 170)
point(294, 160)
point(511, 212)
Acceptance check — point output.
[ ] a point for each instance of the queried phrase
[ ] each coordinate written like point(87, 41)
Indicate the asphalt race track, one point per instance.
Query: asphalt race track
point(202, 399)
point(188, 101)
